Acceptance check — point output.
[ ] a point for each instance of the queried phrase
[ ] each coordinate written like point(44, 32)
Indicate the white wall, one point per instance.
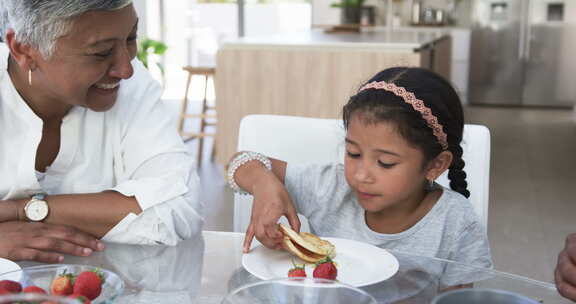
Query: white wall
point(323, 13)
point(175, 32)
point(275, 18)
point(140, 6)
point(194, 31)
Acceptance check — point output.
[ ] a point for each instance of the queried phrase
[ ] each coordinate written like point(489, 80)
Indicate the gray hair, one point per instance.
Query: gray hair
point(39, 23)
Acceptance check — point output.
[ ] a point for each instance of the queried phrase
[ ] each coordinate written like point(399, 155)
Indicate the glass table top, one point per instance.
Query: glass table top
point(205, 269)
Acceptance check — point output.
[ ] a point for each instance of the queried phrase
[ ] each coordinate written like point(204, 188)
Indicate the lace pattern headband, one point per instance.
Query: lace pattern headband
point(417, 105)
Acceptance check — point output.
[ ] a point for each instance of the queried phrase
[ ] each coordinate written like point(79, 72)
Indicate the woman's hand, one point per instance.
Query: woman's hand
point(44, 242)
point(565, 274)
point(9, 211)
point(271, 201)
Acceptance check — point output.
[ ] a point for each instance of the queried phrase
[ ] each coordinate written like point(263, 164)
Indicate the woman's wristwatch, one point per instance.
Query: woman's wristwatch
point(36, 210)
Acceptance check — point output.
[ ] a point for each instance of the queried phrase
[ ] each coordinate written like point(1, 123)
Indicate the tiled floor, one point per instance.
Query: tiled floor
point(532, 195)
point(532, 187)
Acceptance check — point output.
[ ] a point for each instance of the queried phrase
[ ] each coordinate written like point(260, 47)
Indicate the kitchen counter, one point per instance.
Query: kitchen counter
point(312, 73)
point(403, 40)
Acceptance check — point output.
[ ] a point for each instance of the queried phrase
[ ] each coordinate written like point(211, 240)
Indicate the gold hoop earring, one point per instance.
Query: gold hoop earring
point(30, 77)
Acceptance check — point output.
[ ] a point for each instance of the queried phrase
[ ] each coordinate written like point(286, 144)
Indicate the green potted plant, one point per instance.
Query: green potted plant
point(351, 10)
point(150, 46)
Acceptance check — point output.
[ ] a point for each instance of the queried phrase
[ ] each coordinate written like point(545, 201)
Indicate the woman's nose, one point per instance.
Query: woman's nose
point(122, 67)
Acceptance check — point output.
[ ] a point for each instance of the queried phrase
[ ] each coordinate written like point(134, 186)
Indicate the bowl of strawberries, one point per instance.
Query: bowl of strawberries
point(86, 284)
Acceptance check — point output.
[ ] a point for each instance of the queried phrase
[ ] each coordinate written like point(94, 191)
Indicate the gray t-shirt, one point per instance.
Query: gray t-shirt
point(451, 230)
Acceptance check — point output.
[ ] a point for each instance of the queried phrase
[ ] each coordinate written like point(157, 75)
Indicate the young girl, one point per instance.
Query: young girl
point(403, 130)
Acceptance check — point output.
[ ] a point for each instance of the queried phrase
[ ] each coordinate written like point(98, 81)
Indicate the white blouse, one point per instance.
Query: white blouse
point(133, 149)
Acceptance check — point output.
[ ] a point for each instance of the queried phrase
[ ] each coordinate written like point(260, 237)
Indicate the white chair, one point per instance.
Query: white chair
point(314, 140)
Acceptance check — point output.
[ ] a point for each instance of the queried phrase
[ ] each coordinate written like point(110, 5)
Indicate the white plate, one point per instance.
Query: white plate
point(7, 266)
point(359, 264)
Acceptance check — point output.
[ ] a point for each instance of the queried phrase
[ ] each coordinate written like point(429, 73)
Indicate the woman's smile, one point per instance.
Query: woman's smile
point(106, 88)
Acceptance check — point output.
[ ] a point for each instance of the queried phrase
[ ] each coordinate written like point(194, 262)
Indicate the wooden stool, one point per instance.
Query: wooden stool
point(206, 72)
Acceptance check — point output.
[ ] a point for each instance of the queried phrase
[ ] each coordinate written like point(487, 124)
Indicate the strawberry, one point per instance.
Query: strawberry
point(11, 286)
point(62, 284)
point(325, 269)
point(33, 289)
point(89, 284)
point(297, 271)
point(81, 298)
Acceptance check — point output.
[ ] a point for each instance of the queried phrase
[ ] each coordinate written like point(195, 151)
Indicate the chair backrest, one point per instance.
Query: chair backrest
point(314, 140)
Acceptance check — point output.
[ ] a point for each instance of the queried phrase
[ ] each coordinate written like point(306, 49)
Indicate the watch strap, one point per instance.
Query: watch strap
point(39, 196)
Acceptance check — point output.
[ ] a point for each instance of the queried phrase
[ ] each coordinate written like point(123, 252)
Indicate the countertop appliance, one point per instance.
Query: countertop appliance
point(522, 52)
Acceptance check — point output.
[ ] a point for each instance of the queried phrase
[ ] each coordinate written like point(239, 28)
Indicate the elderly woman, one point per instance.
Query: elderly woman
point(87, 150)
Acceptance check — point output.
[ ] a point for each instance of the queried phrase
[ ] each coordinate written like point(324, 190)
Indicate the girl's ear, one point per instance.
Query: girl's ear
point(438, 165)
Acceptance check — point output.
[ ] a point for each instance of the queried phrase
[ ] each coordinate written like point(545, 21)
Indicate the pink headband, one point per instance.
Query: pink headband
point(417, 104)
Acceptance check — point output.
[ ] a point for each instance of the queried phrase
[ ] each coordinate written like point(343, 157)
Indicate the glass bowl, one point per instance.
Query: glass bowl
point(43, 275)
point(26, 298)
point(481, 296)
point(298, 291)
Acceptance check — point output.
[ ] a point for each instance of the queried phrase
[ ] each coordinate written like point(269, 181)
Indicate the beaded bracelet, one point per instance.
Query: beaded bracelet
point(240, 160)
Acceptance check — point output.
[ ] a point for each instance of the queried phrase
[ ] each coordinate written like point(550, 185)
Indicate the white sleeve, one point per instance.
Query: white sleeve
point(153, 165)
point(173, 210)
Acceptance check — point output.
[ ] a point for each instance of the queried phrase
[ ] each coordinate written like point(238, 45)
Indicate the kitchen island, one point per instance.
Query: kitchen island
point(311, 73)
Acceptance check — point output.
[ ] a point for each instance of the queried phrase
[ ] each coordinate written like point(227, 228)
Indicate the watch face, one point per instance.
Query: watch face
point(37, 210)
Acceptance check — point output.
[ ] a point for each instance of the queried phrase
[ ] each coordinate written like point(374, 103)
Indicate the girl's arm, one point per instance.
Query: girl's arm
point(250, 173)
point(271, 200)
